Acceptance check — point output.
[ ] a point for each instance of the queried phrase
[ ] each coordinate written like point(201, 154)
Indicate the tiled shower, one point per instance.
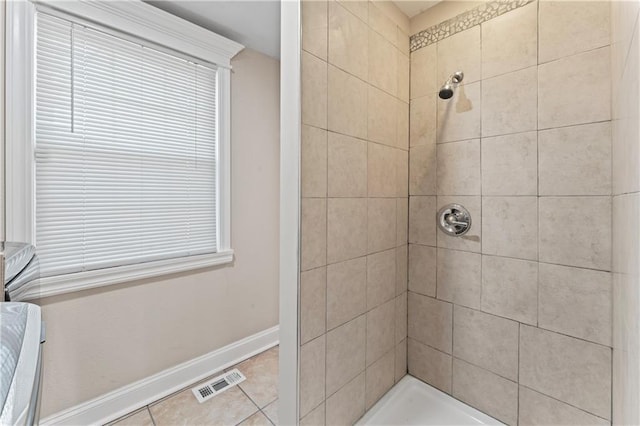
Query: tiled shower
point(515, 317)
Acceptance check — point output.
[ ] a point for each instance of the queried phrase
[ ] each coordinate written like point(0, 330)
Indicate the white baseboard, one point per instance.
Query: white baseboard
point(126, 399)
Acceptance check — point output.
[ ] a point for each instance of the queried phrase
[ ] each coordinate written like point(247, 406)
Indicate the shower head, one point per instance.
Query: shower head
point(446, 91)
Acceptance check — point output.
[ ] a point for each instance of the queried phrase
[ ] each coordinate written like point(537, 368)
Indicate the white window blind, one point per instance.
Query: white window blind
point(126, 151)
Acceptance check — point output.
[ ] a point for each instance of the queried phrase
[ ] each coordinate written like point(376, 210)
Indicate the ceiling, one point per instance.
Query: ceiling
point(412, 8)
point(255, 24)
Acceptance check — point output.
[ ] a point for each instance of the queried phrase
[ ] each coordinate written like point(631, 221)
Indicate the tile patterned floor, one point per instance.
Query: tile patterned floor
point(252, 402)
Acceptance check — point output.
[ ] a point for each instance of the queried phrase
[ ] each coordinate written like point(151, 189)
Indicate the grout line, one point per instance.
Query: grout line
point(151, 415)
point(563, 402)
point(252, 401)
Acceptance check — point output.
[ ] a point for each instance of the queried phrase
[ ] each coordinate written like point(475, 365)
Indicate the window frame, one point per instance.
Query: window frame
point(140, 22)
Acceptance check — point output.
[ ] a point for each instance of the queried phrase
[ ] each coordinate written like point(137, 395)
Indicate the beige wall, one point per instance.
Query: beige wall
point(355, 93)
point(99, 340)
point(515, 317)
point(625, 61)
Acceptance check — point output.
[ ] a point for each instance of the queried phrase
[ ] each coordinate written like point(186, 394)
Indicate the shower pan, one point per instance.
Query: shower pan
point(414, 403)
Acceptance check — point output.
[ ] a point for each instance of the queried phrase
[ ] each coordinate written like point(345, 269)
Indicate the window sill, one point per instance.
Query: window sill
point(53, 286)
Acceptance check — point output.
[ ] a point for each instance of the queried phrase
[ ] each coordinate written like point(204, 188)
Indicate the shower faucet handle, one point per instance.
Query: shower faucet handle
point(454, 220)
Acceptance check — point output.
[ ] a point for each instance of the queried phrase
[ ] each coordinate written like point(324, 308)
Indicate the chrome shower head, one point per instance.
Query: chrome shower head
point(446, 91)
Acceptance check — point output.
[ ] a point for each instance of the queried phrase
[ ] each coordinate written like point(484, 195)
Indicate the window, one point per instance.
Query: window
point(125, 146)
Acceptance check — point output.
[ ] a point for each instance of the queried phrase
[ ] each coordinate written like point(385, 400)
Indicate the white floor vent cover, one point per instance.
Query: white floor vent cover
point(218, 385)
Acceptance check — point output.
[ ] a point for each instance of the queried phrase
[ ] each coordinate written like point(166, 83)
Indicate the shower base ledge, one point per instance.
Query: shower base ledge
point(412, 402)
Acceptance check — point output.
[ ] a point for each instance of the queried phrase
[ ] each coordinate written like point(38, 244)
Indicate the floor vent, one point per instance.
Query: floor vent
point(218, 385)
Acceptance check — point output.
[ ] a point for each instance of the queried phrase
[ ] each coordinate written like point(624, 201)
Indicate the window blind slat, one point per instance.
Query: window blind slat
point(125, 151)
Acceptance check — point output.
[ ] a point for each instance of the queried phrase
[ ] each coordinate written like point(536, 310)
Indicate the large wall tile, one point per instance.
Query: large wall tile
point(382, 117)
point(348, 404)
point(346, 291)
point(458, 168)
point(422, 269)
point(402, 173)
point(403, 76)
point(346, 228)
point(537, 409)
point(401, 318)
point(381, 23)
point(313, 162)
point(472, 240)
point(510, 227)
point(380, 331)
point(379, 378)
point(348, 41)
point(381, 277)
point(313, 233)
point(381, 171)
point(460, 52)
point(402, 221)
point(381, 223)
point(430, 322)
point(347, 166)
point(509, 103)
point(510, 41)
point(314, 27)
point(402, 125)
point(401, 360)
point(383, 65)
point(576, 302)
point(576, 231)
point(345, 353)
point(459, 116)
point(459, 277)
point(314, 91)
point(315, 417)
point(429, 365)
point(510, 288)
point(359, 8)
point(423, 72)
point(312, 374)
point(422, 224)
point(487, 341)
point(313, 303)
point(422, 170)
point(575, 90)
point(347, 104)
point(423, 120)
point(568, 369)
point(625, 131)
point(576, 160)
point(486, 391)
point(402, 269)
point(567, 28)
point(402, 41)
point(510, 164)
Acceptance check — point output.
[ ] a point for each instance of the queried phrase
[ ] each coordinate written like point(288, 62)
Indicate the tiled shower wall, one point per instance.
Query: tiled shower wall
point(625, 61)
point(515, 317)
point(355, 116)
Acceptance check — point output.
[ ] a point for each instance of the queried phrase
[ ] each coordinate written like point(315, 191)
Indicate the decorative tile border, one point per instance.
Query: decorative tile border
point(464, 21)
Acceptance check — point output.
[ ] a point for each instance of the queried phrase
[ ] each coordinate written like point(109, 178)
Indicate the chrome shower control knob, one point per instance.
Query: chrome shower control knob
point(454, 220)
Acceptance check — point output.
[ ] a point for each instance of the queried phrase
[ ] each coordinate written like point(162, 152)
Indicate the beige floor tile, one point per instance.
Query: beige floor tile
point(140, 418)
point(228, 408)
point(271, 411)
point(261, 372)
